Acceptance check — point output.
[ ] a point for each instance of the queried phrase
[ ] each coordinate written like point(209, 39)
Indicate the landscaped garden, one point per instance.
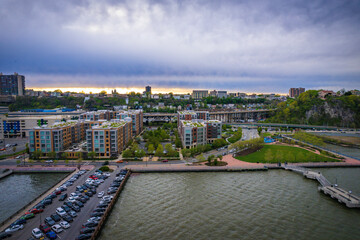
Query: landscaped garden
point(281, 153)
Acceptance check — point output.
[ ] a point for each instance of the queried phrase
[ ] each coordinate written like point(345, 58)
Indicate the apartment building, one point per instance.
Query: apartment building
point(197, 128)
point(192, 133)
point(136, 119)
point(213, 130)
point(12, 84)
point(109, 138)
point(294, 92)
point(199, 94)
point(57, 137)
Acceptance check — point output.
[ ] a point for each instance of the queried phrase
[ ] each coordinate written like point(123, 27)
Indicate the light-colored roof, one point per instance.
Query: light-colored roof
point(193, 124)
point(187, 112)
point(107, 125)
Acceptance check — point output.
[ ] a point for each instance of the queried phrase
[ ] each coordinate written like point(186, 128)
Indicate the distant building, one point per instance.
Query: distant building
point(12, 84)
point(199, 94)
point(222, 94)
point(213, 93)
point(294, 92)
point(148, 89)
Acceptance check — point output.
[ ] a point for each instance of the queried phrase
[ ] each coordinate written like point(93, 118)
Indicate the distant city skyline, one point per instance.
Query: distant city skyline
point(245, 46)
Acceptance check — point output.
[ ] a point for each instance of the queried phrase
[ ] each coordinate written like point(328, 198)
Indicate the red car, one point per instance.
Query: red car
point(57, 192)
point(165, 160)
point(35, 211)
point(45, 228)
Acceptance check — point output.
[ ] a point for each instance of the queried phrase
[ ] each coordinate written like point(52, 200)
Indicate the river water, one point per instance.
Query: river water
point(17, 190)
point(275, 204)
point(351, 152)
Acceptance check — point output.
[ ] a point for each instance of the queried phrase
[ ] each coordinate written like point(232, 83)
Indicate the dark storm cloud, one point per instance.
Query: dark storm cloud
point(257, 45)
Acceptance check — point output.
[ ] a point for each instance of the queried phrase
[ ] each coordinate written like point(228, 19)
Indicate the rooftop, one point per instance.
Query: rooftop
point(187, 112)
point(193, 124)
point(108, 124)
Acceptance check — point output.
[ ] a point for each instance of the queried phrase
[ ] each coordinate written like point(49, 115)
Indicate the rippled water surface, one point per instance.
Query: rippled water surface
point(276, 204)
point(17, 190)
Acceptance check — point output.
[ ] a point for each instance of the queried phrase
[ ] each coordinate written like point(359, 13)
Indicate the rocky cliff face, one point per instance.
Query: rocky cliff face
point(329, 112)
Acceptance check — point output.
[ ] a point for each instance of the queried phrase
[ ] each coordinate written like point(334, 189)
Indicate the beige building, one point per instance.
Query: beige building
point(199, 94)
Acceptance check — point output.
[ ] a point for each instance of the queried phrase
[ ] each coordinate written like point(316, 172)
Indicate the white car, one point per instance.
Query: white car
point(101, 194)
point(14, 228)
point(60, 211)
point(18, 157)
point(37, 233)
point(64, 224)
point(57, 228)
point(107, 198)
point(71, 199)
point(94, 219)
point(49, 161)
point(107, 174)
point(73, 194)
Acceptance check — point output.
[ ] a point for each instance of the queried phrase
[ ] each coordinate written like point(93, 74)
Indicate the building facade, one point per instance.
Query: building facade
point(110, 138)
point(195, 127)
point(294, 92)
point(199, 94)
point(12, 84)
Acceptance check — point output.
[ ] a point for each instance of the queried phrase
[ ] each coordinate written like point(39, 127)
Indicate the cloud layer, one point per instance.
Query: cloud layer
point(265, 46)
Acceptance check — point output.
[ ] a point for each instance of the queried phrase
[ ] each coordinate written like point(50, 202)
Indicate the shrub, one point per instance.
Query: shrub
point(104, 168)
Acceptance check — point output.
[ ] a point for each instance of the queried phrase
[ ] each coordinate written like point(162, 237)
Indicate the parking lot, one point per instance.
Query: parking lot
point(76, 225)
point(20, 142)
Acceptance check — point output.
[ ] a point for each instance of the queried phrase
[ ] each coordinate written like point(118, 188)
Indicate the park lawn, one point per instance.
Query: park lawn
point(284, 154)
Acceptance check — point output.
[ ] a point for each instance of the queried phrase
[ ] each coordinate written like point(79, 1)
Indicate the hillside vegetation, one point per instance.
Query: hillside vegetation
point(308, 108)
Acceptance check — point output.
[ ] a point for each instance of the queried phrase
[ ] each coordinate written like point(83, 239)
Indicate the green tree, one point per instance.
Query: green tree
point(127, 153)
point(92, 155)
point(51, 155)
point(14, 149)
point(151, 149)
point(259, 129)
point(63, 155)
point(159, 151)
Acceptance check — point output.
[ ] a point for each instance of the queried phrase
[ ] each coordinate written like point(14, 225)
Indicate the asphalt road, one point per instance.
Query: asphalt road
point(82, 217)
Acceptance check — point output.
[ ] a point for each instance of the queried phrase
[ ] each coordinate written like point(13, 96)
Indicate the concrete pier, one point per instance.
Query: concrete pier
point(335, 192)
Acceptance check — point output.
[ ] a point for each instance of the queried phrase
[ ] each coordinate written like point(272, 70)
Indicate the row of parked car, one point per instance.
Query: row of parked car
point(72, 205)
point(39, 208)
point(89, 226)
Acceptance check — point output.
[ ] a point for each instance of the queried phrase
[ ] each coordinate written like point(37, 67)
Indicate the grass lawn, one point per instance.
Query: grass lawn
point(277, 153)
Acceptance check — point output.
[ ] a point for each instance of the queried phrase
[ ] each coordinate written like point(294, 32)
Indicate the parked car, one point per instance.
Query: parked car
point(18, 222)
point(67, 218)
point(83, 236)
point(94, 219)
point(101, 194)
point(80, 204)
point(72, 214)
point(4, 235)
point(49, 221)
point(89, 193)
point(66, 208)
point(55, 217)
point(87, 230)
point(99, 210)
point(14, 228)
point(35, 210)
point(75, 208)
point(51, 235)
point(63, 197)
point(45, 228)
point(37, 233)
point(89, 224)
point(28, 216)
point(61, 212)
point(57, 228)
point(96, 214)
point(64, 224)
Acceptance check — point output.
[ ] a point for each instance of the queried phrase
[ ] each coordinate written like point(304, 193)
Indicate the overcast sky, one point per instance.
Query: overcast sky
point(253, 46)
